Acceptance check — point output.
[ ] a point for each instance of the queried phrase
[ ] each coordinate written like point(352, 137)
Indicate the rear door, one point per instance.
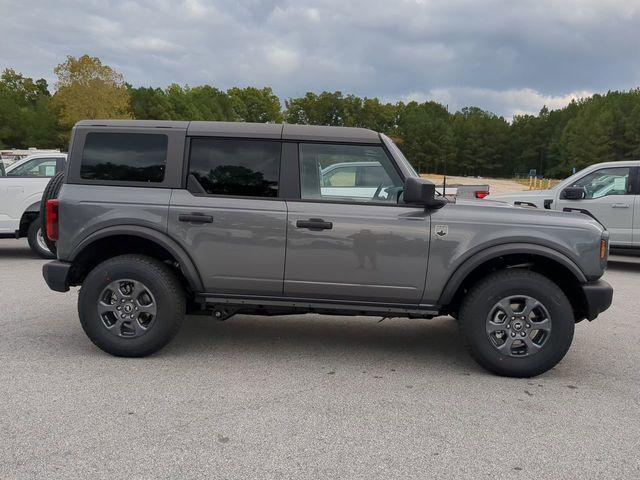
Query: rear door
point(347, 244)
point(610, 198)
point(230, 217)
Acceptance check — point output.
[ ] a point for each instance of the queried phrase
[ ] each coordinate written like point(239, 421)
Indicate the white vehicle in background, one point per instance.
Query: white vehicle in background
point(9, 157)
point(362, 179)
point(608, 192)
point(21, 188)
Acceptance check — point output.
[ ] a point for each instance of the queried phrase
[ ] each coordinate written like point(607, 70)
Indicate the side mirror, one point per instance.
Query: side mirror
point(573, 193)
point(418, 191)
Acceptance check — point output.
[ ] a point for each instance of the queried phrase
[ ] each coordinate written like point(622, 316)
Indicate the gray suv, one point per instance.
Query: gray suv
point(155, 220)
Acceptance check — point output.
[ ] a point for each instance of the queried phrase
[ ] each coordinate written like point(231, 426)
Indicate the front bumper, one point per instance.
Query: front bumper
point(56, 274)
point(598, 297)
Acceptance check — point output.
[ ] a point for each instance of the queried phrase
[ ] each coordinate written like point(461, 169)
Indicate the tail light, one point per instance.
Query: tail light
point(481, 193)
point(52, 220)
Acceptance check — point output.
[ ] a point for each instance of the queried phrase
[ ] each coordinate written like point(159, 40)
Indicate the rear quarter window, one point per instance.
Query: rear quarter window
point(127, 157)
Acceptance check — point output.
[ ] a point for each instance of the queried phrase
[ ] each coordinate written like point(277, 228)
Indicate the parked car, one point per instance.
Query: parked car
point(158, 219)
point(21, 187)
point(608, 192)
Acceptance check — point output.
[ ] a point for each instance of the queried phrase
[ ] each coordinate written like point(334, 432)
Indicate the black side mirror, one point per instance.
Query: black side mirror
point(418, 191)
point(573, 193)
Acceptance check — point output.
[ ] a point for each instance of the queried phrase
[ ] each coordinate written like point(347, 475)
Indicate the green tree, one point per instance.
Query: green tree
point(252, 104)
point(27, 116)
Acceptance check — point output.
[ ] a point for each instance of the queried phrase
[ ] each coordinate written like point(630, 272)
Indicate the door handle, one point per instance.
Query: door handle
point(195, 218)
point(314, 224)
point(620, 205)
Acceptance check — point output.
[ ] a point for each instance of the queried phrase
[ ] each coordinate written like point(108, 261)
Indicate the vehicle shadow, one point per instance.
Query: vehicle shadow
point(17, 252)
point(624, 264)
point(355, 340)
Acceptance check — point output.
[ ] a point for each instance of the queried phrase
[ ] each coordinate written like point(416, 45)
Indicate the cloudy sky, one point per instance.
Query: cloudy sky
point(506, 56)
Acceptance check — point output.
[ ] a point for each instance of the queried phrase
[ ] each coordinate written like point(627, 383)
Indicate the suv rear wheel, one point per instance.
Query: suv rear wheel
point(517, 323)
point(131, 305)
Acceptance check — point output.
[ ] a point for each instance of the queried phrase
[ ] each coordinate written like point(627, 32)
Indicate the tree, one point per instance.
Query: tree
point(87, 89)
point(251, 104)
point(425, 129)
point(27, 116)
point(150, 104)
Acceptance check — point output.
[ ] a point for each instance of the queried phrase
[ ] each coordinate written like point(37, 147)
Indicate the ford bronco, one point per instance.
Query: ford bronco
point(157, 219)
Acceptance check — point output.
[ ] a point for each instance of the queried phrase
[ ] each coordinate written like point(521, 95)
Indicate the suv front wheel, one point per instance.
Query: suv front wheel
point(517, 323)
point(131, 305)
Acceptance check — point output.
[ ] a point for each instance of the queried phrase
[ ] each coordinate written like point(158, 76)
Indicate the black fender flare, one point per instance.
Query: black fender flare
point(162, 239)
point(33, 208)
point(473, 262)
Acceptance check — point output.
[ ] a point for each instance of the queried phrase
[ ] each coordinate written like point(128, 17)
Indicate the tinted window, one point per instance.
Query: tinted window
point(604, 182)
point(348, 172)
point(38, 167)
point(236, 167)
point(129, 157)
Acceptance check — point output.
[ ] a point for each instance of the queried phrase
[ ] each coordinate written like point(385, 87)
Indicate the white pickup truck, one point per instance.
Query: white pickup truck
point(608, 192)
point(21, 187)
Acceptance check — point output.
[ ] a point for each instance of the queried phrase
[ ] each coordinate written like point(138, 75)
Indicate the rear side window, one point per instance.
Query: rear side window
point(247, 168)
point(125, 157)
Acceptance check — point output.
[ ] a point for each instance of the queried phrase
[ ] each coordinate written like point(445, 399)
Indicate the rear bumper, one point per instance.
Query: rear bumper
point(598, 296)
point(56, 274)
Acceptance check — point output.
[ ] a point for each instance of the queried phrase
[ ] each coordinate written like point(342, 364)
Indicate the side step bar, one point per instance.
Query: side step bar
point(337, 307)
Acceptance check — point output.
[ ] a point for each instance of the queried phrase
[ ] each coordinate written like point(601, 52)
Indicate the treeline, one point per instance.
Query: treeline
point(471, 141)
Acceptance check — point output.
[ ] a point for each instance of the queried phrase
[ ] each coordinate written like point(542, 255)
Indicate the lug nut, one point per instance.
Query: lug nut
point(118, 307)
point(528, 326)
point(523, 334)
point(513, 334)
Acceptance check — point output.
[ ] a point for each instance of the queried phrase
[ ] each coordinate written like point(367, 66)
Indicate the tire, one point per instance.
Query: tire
point(539, 340)
point(36, 240)
point(51, 192)
point(107, 281)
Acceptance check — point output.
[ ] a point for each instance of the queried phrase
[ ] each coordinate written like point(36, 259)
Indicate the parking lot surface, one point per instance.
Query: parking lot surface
point(308, 397)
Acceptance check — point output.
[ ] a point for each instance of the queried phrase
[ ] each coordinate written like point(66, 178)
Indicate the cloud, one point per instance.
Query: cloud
point(506, 103)
point(505, 56)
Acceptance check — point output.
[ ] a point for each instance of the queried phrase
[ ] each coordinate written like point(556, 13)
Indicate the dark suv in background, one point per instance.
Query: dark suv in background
point(158, 219)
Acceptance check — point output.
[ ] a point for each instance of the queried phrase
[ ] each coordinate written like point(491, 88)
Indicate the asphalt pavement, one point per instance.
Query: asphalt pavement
point(308, 397)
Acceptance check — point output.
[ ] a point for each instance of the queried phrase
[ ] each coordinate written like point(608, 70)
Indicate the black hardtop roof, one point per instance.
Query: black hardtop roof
point(249, 130)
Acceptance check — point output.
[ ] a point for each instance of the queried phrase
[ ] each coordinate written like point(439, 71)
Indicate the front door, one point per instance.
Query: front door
point(352, 241)
point(230, 218)
point(609, 197)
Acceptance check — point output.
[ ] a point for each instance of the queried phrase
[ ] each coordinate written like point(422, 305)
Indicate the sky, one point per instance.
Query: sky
point(508, 57)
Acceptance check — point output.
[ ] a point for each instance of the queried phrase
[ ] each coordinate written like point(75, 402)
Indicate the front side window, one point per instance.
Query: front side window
point(607, 181)
point(38, 167)
point(246, 168)
point(126, 157)
point(359, 173)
